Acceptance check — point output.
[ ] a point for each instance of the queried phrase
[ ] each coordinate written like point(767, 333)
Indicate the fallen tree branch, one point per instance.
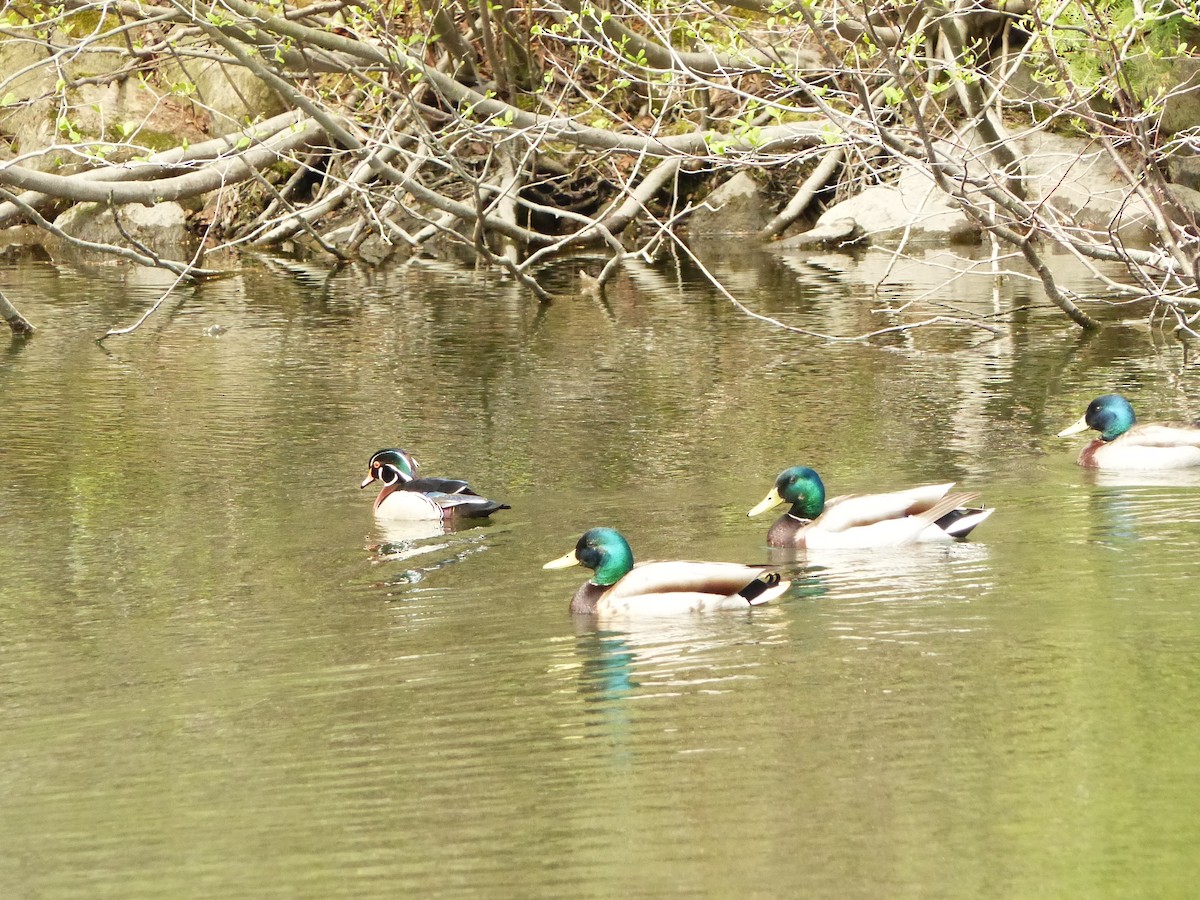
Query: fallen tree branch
point(219, 173)
point(820, 177)
point(157, 165)
point(482, 108)
point(17, 322)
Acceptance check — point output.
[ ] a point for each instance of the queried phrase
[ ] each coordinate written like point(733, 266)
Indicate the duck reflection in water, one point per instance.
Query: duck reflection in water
point(399, 541)
point(1126, 500)
point(889, 574)
point(660, 657)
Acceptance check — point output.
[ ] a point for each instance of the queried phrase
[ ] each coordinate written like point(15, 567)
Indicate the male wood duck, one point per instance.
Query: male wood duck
point(405, 496)
point(856, 521)
point(662, 588)
point(1124, 444)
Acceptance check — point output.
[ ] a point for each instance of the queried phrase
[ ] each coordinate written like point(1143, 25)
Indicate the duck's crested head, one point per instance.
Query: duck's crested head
point(801, 487)
point(603, 550)
point(391, 466)
point(1110, 414)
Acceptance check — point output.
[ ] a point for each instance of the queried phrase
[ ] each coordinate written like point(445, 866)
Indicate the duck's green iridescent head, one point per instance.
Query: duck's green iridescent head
point(1111, 415)
point(799, 486)
point(390, 466)
point(602, 550)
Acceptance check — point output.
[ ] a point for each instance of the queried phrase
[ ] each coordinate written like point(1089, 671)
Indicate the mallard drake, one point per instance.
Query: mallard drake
point(1123, 444)
point(917, 515)
point(661, 588)
point(405, 496)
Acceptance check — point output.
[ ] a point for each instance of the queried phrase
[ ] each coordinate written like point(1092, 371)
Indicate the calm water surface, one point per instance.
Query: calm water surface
point(219, 679)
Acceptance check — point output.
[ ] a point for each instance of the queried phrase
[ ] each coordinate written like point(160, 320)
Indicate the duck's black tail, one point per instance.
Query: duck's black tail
point(482, 510)
point(754, 590)
point(960, 522)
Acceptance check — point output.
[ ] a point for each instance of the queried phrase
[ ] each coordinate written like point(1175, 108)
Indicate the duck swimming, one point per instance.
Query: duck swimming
point(1124, 444)
point(665, 588)
point(855, 521)
point(405, 496)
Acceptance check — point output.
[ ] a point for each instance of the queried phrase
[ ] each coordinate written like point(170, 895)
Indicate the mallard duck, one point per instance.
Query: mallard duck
point(1123, 444)
point(405, 496)
point(661, 588)
point(920, 514)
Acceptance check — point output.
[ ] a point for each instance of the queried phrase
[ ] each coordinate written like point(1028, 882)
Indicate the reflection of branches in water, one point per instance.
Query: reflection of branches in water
point(957, 321)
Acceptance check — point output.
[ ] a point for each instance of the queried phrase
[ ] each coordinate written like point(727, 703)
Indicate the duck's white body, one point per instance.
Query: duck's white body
point(679, 587)
point(1126, 445)
point(1145, 447)
point(925, 514)
point(621, 587)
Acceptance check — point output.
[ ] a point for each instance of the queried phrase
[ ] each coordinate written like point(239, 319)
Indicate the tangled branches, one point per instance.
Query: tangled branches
point(518, 132)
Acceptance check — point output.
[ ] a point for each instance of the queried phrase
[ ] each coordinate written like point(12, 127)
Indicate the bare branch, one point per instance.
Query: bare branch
point(17, 322)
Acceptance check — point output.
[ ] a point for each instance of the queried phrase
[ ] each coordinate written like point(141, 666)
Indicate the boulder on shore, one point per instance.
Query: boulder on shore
point(161, 228)
point(1075, 179)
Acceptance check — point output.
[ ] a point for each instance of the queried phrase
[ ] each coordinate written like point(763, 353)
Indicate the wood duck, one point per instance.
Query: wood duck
point(405, 496)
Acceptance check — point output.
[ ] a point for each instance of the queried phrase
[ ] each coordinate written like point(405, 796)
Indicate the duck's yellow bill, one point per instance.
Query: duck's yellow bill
point(768, 502)
point(1079, 426)
point(563, 562)
point(367, 481)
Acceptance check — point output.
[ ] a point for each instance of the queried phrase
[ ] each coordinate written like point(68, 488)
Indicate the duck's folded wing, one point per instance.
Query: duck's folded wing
point(897, 531)
point(714, 578)
point(438, 485)
point(1152, 435)
point(466, 503)
point(856, 510)
point(676, 603)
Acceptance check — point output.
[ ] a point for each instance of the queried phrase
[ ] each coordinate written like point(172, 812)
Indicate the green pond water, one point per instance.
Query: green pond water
point(219, 678)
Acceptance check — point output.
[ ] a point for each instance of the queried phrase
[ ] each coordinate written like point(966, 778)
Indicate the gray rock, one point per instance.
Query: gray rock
point(1187, 200)
point(913, 210)
point(230, 95)
point(737, 207)
point(162, 227)
point(31, 124)
point(1073, 176)
point(831, 234)
point(1181, 111)
point(1184, 170)
point(1078, 178)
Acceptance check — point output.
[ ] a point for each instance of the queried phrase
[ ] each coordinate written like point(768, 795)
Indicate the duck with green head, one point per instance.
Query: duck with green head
point(662, 588)
point(407, 497)
point(1124, 444)
point(855, 521)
